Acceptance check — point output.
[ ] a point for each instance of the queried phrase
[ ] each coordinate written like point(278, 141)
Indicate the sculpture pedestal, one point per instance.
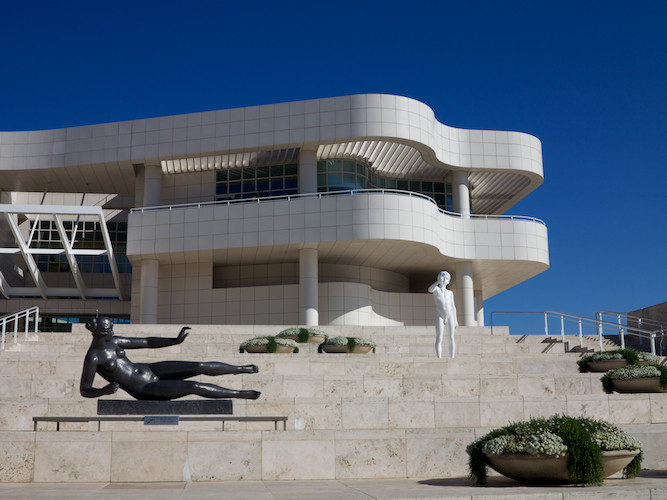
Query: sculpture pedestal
point(151, 407)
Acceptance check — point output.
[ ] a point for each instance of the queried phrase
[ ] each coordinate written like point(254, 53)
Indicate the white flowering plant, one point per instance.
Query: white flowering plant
point(301, 334)
point(631, 372)
point(271, 343)
point(630, 355)
point(579, 439)
point(351, 342)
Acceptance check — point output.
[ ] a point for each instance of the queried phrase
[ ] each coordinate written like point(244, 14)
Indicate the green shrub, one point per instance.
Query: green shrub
point(351, 342)
point(582, 440)
point(633, 371)
point(270, 342)
point(628, 354)
point(303, 334)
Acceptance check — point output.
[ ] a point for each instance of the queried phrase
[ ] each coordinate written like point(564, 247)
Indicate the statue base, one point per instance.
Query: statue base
point(152, 407)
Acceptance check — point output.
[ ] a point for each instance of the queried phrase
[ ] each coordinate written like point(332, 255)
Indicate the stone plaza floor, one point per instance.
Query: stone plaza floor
point(652, 485)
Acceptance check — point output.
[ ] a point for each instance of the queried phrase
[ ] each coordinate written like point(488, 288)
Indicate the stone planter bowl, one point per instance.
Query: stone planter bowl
point(606, 365)
point(358, 349)
point(547, 469)
point(312, 339)
point(642, 384)
point(258, 349)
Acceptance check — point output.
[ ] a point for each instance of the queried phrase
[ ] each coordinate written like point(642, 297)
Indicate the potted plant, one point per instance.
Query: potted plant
point(558, 449)
point(635, 378)
point(269, 344)
point(347, 345)
point(607, 360)
point(303, 335)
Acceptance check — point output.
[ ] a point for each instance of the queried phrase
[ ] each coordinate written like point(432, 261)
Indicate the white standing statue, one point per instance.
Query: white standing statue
point(445, 313)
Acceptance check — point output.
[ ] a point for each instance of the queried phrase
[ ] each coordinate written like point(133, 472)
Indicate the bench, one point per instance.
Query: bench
point(153, 419)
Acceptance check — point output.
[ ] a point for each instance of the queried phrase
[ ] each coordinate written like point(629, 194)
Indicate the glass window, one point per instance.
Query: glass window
point(349, 166)
point(276, 170)
point(290, 169)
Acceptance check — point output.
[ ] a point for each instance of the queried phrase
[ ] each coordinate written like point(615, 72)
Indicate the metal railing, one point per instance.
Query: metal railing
point(632, 324)
point(12, 320)
point(352, 192)
point(598, 325)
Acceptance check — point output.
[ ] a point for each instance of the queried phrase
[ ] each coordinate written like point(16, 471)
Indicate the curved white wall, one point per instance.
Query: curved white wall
point(364, 216)
point(284, 125)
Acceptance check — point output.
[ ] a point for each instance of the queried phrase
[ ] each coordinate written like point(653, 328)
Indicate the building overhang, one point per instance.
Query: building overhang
point(397, 136)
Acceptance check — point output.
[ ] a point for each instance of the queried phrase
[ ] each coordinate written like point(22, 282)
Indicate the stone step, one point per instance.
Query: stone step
point(368, 410)
point(182, 455)
point(319, 383)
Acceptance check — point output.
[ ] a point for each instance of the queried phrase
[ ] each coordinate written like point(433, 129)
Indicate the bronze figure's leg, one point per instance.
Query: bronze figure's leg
point(172, 389)
point(180, 370)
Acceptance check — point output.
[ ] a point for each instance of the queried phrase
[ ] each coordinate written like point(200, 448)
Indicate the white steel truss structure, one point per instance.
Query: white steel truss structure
point(11, 214)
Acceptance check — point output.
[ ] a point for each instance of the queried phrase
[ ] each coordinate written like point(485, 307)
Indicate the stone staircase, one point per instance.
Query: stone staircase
point(399, 412)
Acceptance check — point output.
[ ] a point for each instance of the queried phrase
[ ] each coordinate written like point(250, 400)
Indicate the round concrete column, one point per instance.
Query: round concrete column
point(308, 171)
point(461, 193)
point(466, 291)
point(148, 294)
point(479, 306)
point(308, 287)
point(152, 185)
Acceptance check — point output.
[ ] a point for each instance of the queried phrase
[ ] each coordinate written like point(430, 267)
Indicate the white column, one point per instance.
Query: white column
point(466, 292)
point(461, 193)
point(152, 185)
point(308, 171)
point(148, 278)
point(479, 306)
point(308, 287)
point(148, 293)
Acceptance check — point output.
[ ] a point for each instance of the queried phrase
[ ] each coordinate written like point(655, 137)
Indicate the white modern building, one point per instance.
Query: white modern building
point(328, 211)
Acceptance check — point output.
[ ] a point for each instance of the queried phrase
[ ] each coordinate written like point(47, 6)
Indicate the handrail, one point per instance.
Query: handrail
point(15, 318)
point(599, 324)
point(352, 192)
point(659, 325)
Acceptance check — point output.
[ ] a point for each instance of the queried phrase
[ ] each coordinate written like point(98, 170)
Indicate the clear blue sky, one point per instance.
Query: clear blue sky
point(587, 78)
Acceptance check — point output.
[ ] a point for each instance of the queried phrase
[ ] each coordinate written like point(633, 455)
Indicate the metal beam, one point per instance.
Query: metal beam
point(71, 259)
point(27, 256)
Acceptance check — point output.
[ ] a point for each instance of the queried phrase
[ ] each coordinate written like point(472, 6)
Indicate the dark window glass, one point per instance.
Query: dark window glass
point(276, 171)
point(290, 169)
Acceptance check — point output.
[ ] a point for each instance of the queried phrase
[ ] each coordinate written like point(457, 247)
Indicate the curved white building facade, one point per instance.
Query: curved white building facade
point(328, 211)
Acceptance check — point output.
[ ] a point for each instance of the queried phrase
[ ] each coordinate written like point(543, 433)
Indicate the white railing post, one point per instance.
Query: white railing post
point(25, 325)
point(599, 322)
point(653, 343)
point(4, 329)
point(620, 331)
point(581, 336)
point(16, 327)
point(546, 325)
point(562, 328)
